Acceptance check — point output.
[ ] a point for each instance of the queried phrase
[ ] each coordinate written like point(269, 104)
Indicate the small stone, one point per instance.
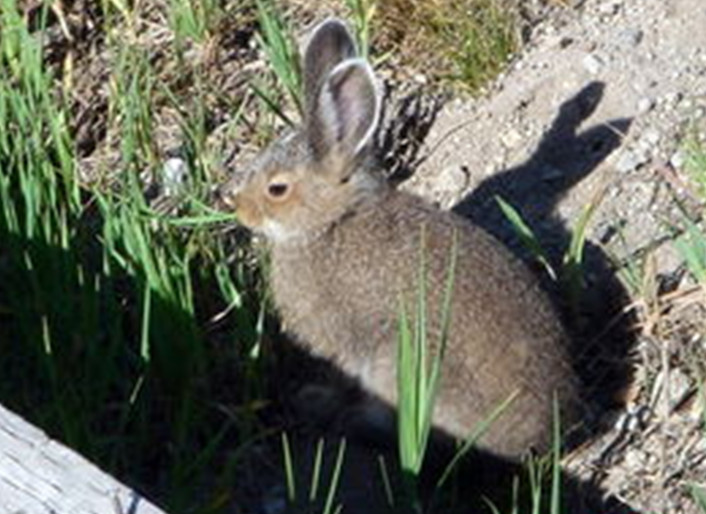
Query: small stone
point(650, 137)
point(453, 179)
point(677, 160)
point(630, 37)
point(565, 42)
point(672, 99)
point(645, 105)
point(687, 105)
point(174, 174)
point(679, 387)
point(630, 160)
point(511, 138)
point(635, 459)
point(592, 64)
point(609, 8)
point(420, 79)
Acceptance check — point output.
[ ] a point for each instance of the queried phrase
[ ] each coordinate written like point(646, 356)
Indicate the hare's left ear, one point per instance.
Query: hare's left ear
point(330, 44)
point(344, 115)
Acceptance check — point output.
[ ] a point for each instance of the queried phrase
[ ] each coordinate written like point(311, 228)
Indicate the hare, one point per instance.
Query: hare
point(345, 251)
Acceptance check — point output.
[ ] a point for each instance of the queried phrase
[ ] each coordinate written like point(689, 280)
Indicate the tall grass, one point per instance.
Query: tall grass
point(362, 12)
point(276, 39)
point(104, 303)
point(418, 374)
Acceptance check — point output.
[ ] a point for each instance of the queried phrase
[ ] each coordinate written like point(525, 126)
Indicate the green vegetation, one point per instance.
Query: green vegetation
point(570, 276)
point(418, 374)
point(362, 13)
point(104, 303)
point(277, 41)
point(469, 41)
point(312, 501)
point(691, 245)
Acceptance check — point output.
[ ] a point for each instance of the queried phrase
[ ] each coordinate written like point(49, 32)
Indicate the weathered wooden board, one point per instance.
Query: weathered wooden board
point(41, 476)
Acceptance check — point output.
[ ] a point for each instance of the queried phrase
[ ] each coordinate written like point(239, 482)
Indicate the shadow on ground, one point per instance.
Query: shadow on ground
point(601, 333)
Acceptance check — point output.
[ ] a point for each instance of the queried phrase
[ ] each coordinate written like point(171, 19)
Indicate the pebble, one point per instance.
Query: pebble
point(635, 459)
point(672, 99)
point(453, 179)
point(511, 138)
point(679, 386)
point(174, 174)
point(630, 160)
point(677, 160)
point(630, 37)
point(645, 105)
point(650, 137)
point(687, 105)
point(592, 64)
point(609, 8)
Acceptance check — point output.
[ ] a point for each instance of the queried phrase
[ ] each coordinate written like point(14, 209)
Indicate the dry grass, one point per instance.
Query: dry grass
point(462, 43)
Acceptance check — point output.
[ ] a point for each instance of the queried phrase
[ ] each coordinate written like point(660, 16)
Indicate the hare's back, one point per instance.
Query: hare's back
point(506, 337)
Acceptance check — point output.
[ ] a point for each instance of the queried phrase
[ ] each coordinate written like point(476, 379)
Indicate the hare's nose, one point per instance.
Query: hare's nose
point(226, 198)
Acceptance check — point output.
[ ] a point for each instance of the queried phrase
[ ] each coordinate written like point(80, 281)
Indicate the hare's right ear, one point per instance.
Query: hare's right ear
point(344, 115)
point(330, 45)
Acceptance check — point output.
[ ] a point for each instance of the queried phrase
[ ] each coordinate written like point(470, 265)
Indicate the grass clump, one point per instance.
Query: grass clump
point(417, 373)
point(469, 41)
point(275, 37)
point(105, 303)
point(691, 245)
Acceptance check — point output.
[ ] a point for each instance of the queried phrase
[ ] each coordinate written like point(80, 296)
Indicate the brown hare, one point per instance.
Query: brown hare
point(345, 251)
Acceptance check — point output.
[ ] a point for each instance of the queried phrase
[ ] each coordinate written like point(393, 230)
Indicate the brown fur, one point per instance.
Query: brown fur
point(346, 249)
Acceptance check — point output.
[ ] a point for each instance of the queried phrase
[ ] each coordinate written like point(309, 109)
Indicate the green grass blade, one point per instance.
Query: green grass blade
point(276, 40)
point(389, 496)
point(289, 469)
point(333, 485)
point(555, 461)
point(692, 248)
point(527, 237)
point(316, 471)
point(271, 103)
point(699, 495)
point(474, 436)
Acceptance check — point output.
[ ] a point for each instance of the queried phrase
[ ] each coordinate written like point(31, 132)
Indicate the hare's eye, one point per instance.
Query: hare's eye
point(277, 189)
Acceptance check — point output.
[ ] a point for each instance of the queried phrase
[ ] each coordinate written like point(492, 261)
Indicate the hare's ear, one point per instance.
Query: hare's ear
point(330, 45)
point(345, 114)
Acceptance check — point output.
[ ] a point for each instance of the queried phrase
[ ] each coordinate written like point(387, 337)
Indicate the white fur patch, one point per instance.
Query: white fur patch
point(276, 232)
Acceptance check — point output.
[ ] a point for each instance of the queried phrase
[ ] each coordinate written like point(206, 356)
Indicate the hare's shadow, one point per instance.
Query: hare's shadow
point(601, 335)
